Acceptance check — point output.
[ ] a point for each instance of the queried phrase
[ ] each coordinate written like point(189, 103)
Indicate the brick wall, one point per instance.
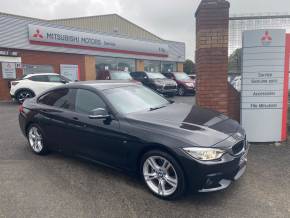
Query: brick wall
point(54, 59)
point(5, 84)
point(47, 58)
point(213, 90)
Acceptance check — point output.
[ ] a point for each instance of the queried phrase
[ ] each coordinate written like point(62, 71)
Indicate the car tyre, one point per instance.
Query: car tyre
point(36, 140)
point(24, 94)
point(181, 91)
point(162, 175)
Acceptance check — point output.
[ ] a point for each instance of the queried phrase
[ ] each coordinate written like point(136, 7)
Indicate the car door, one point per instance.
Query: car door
point(38, 83)
point(98, 139)
point(56, 110)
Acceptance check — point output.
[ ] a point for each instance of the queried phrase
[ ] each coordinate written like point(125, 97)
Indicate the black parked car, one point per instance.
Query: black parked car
point(174, 147)
point(186, 85)
point(157, 82)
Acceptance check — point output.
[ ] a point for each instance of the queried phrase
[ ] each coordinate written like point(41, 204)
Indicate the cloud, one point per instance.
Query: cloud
point(169, 19)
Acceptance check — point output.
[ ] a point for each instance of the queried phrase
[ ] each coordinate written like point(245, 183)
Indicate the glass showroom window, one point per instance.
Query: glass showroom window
point(30, 69)
point(106, 63)
point(126, 64)
point(109, 63)
point(152, 66)
point(168, 67)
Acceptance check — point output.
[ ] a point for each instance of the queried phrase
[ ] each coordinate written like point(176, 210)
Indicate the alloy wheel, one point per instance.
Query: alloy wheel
point(23, 95)
point(35, 139)
point(160, 175)
point(181, 91)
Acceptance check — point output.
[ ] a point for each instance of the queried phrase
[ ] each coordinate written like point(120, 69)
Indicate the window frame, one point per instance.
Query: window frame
point(109, 107)
point(62, 78)
point(97, 94)
point(33, 76)
point(52, 106)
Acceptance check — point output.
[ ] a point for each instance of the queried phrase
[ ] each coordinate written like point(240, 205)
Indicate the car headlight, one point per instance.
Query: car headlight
point(189, 84)
point(158, 83)
point(205, 154)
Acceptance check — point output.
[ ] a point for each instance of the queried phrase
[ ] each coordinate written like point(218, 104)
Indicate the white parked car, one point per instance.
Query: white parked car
point(34, 84)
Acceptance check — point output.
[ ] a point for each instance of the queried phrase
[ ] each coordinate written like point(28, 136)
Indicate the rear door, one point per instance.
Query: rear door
point(55, 112)
point(39, 83)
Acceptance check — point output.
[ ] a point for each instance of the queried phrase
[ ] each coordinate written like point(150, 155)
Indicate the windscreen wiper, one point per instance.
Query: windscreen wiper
point(156, 108)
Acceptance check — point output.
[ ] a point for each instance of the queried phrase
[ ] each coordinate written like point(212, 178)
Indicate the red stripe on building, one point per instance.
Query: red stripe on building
point(285, 92)
point(97, 49)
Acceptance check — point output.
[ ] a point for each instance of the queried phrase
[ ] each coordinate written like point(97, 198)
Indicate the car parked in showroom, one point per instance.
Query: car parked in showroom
point(157, 82)
point(34, 84)
point(174, 147)
point(186, 85)
point(114, 75)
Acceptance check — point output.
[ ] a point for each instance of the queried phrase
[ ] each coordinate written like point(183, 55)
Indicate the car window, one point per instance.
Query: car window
point(182, 76)
point(61, 98)
point(39, 78)
point(137, 75)
point(155, 75)
point(169, 75)
point(87, 101)
point(134, 75)
point(120, 75)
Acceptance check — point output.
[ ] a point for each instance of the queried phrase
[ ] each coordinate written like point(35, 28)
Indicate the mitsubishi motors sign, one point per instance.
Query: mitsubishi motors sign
point(49, 36)
point(264, 85)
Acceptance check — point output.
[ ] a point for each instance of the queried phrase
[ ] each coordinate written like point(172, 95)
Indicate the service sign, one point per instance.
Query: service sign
point(70, 71)
point(49, 36)
point(8, 70)
point(263, 79)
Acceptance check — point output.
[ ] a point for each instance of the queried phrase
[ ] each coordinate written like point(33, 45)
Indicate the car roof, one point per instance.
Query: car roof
point(40, 74)
point(152, 72)
point(102, 84)
point(119, 71)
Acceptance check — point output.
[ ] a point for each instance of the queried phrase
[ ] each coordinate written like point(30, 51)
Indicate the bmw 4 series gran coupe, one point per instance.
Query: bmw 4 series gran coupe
point(174, 147)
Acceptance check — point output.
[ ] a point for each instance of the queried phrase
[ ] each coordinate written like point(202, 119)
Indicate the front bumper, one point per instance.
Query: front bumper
point(205, 176)
point(164, 90)
point(220, 181)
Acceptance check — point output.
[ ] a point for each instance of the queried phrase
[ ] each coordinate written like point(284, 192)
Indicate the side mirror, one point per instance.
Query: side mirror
point(99, 113)
point(63, 81)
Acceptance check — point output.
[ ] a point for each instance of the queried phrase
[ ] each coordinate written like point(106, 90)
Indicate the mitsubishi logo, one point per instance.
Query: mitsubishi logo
point(38, 34)
point(266, 39)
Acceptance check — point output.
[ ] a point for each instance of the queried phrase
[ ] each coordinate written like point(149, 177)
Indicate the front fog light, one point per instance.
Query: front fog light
point(205, 154)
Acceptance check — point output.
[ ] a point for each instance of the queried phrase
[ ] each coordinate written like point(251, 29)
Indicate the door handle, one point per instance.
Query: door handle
point(75, 118)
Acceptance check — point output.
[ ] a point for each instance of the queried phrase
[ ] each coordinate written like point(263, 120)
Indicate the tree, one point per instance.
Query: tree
point(235, 62)
point(189, 67)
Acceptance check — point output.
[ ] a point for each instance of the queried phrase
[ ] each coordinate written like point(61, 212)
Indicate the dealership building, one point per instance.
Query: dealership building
point(81, 47)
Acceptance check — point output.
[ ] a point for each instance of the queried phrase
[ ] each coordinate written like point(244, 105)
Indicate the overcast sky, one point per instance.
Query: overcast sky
point(169, 19)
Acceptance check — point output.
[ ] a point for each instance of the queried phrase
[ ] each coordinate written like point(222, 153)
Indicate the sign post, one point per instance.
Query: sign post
point(263, 81)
